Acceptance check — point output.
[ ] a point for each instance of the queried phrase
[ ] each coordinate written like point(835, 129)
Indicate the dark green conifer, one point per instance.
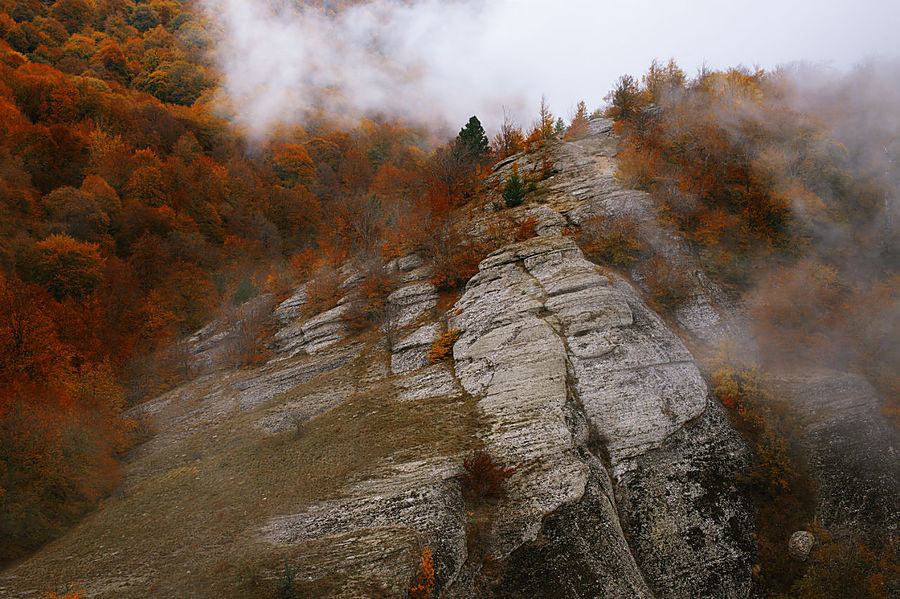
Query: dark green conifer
point(472, 141)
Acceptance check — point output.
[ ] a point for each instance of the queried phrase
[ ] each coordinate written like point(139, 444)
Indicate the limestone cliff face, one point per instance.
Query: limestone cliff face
point(342, 455)
point(625, 464)
point(625, 468)
point(854, 452)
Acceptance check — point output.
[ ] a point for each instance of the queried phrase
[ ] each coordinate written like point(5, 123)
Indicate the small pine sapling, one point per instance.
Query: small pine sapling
point(514, 190)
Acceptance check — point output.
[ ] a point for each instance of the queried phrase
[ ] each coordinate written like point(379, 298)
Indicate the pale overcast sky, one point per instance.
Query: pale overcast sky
point(453, 59)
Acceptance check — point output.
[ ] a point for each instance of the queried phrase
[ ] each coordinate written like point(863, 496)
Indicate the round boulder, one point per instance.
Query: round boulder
point(800, 544)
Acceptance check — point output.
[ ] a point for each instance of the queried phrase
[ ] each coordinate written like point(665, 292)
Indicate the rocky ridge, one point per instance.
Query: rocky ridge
point(343, 455)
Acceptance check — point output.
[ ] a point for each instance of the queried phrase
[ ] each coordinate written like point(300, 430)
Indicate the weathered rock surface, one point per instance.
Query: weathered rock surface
point(800, 544)
point(411, 302)
point(688, 526)
point(312, 335)
point(419, 496)
point(409, 263)
point(549, 221)
point(587, 186)
point(411, 352)
point(854, 452)
point(580, 551)
point(570, 368)
point(436, 380)
point(292, 308)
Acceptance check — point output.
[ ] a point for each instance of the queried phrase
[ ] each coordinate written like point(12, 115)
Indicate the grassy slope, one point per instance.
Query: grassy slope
point(186, 522)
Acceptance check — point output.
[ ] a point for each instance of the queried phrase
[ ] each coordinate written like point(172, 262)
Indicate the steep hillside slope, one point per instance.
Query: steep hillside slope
point(332, 467)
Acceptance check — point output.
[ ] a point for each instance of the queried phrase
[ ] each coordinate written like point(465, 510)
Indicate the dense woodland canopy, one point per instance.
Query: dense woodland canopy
point(132, 212)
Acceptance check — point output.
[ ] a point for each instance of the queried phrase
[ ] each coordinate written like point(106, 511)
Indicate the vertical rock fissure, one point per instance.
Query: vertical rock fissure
point(559, 516)
point(583, 439)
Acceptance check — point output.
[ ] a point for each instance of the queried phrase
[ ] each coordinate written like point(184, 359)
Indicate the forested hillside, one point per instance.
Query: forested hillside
point(790, 203)
point(130, 213)
point(134, 211)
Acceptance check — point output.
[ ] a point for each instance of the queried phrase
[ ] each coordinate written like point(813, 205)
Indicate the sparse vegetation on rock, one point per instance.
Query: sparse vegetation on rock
point(442, 348)
point(483, 478)
point(423, 583)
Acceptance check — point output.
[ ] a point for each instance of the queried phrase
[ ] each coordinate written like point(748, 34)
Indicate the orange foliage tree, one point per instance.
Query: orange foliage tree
point(578, 128)
point(66, 267)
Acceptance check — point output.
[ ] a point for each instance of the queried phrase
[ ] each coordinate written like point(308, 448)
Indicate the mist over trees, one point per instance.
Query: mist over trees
point(795, 208)
point(136, 204)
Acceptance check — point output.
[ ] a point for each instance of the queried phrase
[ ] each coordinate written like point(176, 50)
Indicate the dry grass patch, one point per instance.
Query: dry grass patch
point(188, 525)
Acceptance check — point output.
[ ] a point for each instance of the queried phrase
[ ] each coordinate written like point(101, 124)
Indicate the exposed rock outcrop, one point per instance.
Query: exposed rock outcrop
point(411, 352)
point(312, 335)
point(411, 302)
point(569, 367)
point(588, 187)
point(800, 544)
point(854, 452)
point(345, 456)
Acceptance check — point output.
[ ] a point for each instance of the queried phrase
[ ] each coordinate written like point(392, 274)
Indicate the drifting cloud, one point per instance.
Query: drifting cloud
point(434, 60)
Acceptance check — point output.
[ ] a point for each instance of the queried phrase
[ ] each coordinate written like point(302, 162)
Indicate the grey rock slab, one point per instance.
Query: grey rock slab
point(687, 522)
point(412, 352)
point(291, 309)
point(412, 302)
point(311, 335)
point(853, 449)
point(409, 263)
point(518, 371)
point(421, 497)
point(323, 330)
point(568, 331)
point(549, 221)
point(636, 380)
point(580, 551)
point(437, 380)
point(295, 413)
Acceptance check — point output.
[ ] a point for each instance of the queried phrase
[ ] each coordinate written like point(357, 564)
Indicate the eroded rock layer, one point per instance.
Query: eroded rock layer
point(570, 367)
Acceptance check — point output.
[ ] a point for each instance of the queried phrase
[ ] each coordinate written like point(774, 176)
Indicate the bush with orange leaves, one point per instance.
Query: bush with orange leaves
point(845, 567)
point(423, 583)
point(322, 291)
point(442, 348)
point(368, 303)
point(73, 591)
point(454, 256)
point(69, 593)
point(613, 240)
point(669, 285)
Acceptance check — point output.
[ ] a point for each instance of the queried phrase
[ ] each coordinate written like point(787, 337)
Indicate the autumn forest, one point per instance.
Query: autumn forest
point(133, 211)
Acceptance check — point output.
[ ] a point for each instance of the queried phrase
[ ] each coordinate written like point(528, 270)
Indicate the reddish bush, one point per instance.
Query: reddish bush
point(442, 348)
point(669, 286)
point(847, 568)
point(483, 478)
point(454, 256)
point(322, 291)
point(73, 591)
point(368, 300)
point(611, 240)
